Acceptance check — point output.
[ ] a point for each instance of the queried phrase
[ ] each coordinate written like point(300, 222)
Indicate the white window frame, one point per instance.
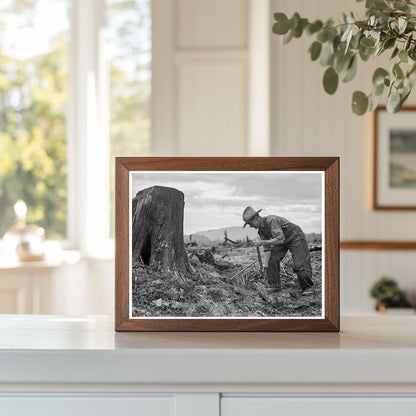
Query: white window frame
point(88, 137)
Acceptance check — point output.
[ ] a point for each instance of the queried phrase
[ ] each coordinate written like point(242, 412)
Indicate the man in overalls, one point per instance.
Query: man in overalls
point(277, 236)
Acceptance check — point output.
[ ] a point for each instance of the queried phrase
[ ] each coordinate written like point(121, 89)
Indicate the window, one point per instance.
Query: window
point(33, 99)
point(75, 87)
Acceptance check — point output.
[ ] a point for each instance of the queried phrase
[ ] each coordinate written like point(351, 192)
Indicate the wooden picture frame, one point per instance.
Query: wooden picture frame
point(394, 184)
point(129, 169)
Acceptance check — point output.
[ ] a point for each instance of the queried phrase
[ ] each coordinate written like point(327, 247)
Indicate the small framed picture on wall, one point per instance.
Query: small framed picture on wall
point(394, 159)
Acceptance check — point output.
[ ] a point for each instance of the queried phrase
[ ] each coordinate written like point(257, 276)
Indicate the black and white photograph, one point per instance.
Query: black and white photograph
point(222, 244)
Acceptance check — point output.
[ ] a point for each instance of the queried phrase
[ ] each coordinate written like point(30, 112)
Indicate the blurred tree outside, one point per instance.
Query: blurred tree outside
point(129, 46)
point(33, 99)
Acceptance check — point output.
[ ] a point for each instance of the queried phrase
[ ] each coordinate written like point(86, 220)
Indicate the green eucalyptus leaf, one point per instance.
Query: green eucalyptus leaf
point(330, 80)
point(374, 102)
point(399, 85)
point(389, 43)
point(395, 53)
point(411, 78)
point(359, 103)
point(402, 22)
point(322, 35)
point(378, 89)
point(351, 70)
point(347, 33)
point(387, 82)
point(314, 27)
point(379, 75)
point(376, 4)
point(338, 44)
point(412, 52)
point(412, 70)
point(281, 27)
point(404, 96)
point(403, 56)
point(295, 20)
point(367, 42)
point(315, 50)
point(397, 71)
point(366, 53)
point(355, 41)
point(298, 30)
point(408, 42)
point(393, 101)
point(340, 61)
point(400, 5)
point(288, 37)
point(327, 54)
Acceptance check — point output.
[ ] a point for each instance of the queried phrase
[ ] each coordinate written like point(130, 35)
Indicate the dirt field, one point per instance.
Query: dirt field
point(213, 292)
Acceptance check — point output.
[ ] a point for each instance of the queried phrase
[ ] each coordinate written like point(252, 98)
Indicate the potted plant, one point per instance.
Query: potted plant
point(387, 294)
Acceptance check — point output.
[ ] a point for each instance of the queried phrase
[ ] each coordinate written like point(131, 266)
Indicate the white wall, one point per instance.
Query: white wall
point(200, 77)
point(308, 122)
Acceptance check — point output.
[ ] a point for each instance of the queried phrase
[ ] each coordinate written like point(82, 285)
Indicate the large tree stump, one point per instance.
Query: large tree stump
point(157, 230)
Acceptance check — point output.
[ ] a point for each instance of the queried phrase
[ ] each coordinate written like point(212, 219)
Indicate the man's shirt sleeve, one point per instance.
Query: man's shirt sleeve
point(276, 230)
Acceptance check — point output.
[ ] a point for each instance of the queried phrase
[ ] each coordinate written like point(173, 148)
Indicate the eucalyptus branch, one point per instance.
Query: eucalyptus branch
point(388, 26)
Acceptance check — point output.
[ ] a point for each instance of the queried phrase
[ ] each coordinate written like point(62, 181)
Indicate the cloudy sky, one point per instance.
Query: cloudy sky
point(217, 199)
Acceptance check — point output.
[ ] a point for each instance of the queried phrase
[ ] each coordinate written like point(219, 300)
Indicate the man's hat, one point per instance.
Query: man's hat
point(248, 214)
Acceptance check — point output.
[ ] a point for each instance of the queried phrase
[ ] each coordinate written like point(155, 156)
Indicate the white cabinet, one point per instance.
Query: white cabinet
point(80, 366)
point(88, 406)
point(324, 406)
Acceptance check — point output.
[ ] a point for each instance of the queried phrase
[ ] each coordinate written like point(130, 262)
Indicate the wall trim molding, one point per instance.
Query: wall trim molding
point(377, 245)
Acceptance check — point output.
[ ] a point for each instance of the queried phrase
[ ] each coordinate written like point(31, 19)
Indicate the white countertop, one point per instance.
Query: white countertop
point(50, 349)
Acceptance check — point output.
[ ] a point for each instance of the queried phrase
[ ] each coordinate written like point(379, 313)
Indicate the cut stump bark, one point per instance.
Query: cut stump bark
point(157, 231)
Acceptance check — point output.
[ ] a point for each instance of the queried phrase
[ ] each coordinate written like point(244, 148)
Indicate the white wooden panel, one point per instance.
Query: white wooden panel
point(317, 407)
point(163, 102)
point(212, 24)
point(200, 404)
point(212, 108)
point(87, 406)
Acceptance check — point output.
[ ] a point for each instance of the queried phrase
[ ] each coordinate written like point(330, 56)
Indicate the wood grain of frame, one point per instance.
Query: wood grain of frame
point(329, 165)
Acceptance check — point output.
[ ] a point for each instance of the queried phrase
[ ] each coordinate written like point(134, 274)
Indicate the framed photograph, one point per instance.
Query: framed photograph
point(394, 159)
point(227, 244)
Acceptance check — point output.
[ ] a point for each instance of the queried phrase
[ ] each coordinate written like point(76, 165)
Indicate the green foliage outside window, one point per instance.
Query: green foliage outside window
point(33, 98)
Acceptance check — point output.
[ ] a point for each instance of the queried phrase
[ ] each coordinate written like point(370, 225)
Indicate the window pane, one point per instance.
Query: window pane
point(129, 45)
point(34, 37)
